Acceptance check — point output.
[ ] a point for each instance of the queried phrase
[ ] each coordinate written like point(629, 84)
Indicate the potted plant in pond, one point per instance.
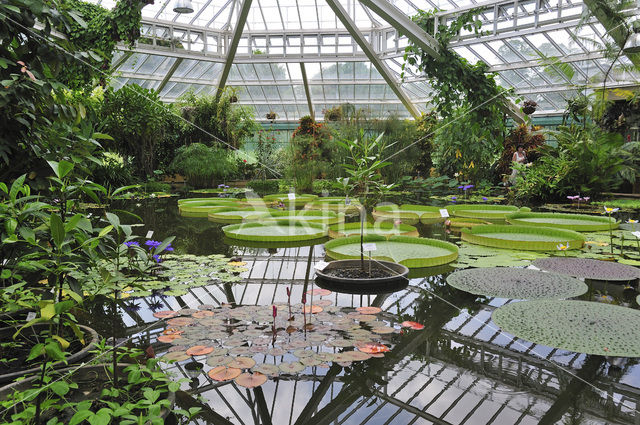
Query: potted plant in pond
point(529, 107)
point(366, 157)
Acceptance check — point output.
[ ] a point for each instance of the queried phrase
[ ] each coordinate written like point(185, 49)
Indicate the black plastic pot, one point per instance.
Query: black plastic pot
point(91, 336)
point(87, 377)
point(376, 285)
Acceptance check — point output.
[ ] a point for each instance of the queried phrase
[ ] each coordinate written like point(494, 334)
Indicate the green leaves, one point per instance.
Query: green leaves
point(57, 229)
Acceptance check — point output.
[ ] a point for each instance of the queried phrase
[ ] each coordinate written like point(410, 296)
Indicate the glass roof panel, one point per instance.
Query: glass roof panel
point(279, 35)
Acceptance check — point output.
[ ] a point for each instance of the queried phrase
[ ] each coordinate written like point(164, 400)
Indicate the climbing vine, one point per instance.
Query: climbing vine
point(456, 82)
point(98, 31)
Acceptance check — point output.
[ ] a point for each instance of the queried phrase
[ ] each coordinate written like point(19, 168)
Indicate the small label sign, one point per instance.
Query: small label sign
point(292, 196)
point(347, 201)
point(636, 234)
point(444, 212)
point(149, 234)
point(369, 246)
point(321, 266)
point(31, 316)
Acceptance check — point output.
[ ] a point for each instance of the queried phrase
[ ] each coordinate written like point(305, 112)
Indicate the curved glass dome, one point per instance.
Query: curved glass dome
point(291, 57)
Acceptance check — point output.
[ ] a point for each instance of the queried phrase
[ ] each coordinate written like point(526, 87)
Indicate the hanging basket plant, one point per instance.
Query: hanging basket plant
point(271, 116)
point(233, 99)
point(529, 107)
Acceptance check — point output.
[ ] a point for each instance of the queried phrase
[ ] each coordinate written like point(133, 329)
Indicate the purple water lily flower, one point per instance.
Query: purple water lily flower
point(152, 244)
point(132, 243)
point(157, 258)
point(460, 187)
point(484, 198)
point(467, 187)
point(131, 307)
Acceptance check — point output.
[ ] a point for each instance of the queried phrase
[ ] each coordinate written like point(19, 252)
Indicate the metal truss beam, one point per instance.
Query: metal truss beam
point(307, 92)
point(404, 24)
point(169, 74)
point(233, 47)
point(564, 88)
point(382, 68)
point(535, 63)
point(617, 28)
point(115, 65)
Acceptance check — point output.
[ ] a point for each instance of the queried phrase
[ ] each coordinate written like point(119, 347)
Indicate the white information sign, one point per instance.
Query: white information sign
point(369, 246)
point(444, 212)
point(321, 266)
point(149, 234)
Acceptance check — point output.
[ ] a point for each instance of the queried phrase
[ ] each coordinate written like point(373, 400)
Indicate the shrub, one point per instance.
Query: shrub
point(264, 187)
point(154, 186)
point(520, 135)
point(202, 165)
point(113, 171)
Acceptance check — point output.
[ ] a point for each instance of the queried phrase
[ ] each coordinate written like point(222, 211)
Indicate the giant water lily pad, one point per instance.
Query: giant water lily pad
point(238, 214)
point(483, 211)
point(312, 216)
point(380, 228)
point(588, 268)
point(577, 222)
point(528, 238)
point(409, 213)
point(507, 282)
point(298, 200)
point(456, 223)
point(202, 208)
point(276, 231)
point(580, 326)
point(334, 203)
point(408, 251)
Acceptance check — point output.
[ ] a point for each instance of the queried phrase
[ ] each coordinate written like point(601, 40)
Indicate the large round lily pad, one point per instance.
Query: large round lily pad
point(409, 213)
point(237, 214)
point(334, 203)
point(378, 228)
point(408, 251)
point(588, 268)
point(275, 231)
point(528, 238)
point(299, 200)
point(483, 211)
point(579, 326)
point(516, 283)
point(312, 216)
point(577, 222)
point(202, 208)
point(456, 223)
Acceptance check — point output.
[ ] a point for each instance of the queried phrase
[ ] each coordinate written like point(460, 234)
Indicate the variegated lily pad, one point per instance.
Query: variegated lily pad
point(251, 380)
point(242, 363)
point(267, 369)
point(215, 361)
point(303, 353)
point(290, 368)
point(223, 373)
point(177, 356)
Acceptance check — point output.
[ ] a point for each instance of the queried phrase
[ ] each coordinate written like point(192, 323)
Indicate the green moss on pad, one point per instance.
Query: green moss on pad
point(528, 238)
point(579, 326)
point(577, 222)
point(409, 251)
point(516, 283)
point(275, 231)
point(380, 228)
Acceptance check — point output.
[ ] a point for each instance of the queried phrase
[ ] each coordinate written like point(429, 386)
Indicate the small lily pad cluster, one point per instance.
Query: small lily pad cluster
point(579, 326)
point(516, 283)
point(232, 338)
point(174, 276)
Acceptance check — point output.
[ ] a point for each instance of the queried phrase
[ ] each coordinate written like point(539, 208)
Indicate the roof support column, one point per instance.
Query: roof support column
point(166, 78)
point(382, 68)
point(233, 47)
point(307, 92)
point(427, 43)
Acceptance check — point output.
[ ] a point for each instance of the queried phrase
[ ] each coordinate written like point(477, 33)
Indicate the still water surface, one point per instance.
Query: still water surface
point(461, 369)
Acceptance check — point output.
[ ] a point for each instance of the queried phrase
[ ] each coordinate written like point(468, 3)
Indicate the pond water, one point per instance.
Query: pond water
point(460, 369)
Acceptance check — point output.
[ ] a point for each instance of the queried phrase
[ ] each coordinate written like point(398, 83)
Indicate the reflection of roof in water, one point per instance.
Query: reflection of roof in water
point(460, 369)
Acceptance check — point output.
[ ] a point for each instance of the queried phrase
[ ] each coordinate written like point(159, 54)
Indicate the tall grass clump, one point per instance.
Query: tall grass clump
point(203, 166)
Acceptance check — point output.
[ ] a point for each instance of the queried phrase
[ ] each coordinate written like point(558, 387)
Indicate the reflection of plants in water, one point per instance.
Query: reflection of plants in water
point(194, 235)
point(364, 377)
point(575, 417)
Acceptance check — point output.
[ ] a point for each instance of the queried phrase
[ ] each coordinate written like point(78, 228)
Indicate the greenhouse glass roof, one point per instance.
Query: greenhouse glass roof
point(291, 57)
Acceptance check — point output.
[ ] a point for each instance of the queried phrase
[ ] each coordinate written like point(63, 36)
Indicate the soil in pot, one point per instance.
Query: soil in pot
point(359, 273)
